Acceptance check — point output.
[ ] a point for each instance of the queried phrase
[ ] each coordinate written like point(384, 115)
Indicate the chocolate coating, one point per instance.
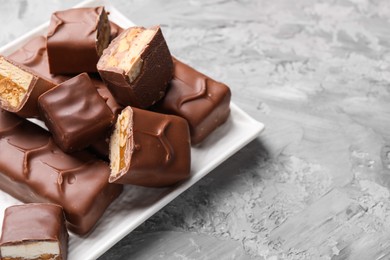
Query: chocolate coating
point(34, 222)
point(157, 151)
point(202, 101)
point(76, 39)
point(34, 169)
point(156, 71)
point(28, 105)
point(75, 113)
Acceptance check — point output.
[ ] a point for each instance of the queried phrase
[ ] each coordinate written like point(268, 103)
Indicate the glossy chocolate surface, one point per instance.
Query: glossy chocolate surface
point(74, 39)
point(202, 101)
point(34, 169)
point(151, 83)
point(35, 222)
point(160, 155)
point(75, 113)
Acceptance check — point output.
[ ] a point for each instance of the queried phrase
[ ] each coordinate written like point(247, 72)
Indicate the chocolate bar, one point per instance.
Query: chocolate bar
point(34, 231)
point(202, 101)
point(75, 113)
point(20, 88)
point(76, 39)
point(149, 149)
point(34, 169)
point(137, 66)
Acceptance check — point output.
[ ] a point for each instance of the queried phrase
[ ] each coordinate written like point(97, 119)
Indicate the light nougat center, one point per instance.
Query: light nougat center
point(31, 250)
point(14, 83)
point(121, 144)
point(127, 55)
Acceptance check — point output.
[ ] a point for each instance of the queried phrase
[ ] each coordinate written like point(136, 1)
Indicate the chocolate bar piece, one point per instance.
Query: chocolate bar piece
point(137, 66)
point(149, 149)
point(34, 169)
point(75, 113)
point(34, 231)
point(20, 88)
point(76, 39)
point(202, 101)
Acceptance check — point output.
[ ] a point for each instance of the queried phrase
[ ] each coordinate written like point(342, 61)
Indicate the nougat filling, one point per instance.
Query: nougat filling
point(121, 144)
point(14, 84)
point(31, 250)
point(127, 55)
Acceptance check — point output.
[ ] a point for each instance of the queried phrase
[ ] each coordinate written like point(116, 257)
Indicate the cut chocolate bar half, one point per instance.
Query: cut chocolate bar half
point(137, 66)
point(20, 88)
point(76, 39)
point(149, 149)
point(34, 231)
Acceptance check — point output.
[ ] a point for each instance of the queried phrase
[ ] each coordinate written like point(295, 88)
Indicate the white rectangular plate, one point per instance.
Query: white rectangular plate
point(137, 204)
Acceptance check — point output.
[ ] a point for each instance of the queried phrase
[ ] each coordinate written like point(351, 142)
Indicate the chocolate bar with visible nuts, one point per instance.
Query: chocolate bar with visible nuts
point(76, 39)
point(75, 113)
point(20, 88)
point(202, 101)
point(34, 231)
point(149, 149)
point(34, 169)
point(137, 66)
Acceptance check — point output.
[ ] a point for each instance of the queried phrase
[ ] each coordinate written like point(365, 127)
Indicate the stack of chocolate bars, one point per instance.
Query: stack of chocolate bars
point(118, 108)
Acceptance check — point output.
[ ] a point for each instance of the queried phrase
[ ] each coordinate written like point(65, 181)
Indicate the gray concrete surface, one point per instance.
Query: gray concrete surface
point(315, 184)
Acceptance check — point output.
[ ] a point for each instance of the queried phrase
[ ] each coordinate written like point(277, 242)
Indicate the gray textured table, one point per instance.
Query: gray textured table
point(315, 184)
